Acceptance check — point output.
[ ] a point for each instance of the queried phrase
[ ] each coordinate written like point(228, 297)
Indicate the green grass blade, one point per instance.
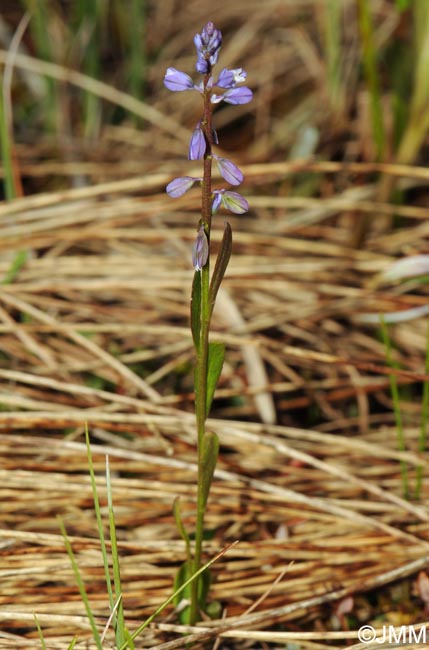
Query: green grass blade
point(137, 48)
point(39, 27)
point(81, 586)
point(90, 17)
point(40, 633)
point(119, 624)
point(371, 74)
point(99, 521)
point(174, 595)
point(17, 263)
point(333, 11)
point(6, 150)
point(418, 120)
point(396, 404)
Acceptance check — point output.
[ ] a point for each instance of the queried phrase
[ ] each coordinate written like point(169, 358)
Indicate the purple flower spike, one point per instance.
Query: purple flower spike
point(177, 81)
point(229, 171)
point(200, 250)
point(179, 186)
point(208, 44)
point(241, 95)
point(197, 145)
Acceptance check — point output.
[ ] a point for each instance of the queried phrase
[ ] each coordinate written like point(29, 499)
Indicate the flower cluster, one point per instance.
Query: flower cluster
point(208, 44)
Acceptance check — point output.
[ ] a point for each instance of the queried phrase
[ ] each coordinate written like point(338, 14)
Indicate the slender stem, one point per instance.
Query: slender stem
point(203, 348)
point(396, 405)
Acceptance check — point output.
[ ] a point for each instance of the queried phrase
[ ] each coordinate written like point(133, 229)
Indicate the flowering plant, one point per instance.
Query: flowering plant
point(209, 354)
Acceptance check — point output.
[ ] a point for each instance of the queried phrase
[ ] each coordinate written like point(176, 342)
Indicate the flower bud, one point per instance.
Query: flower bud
point(200, 250)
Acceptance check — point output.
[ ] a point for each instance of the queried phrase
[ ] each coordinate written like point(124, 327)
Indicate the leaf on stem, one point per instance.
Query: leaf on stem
point(221, 263)
point(184, 575)
point(180, 527)
point(210, 451)
point(196, 309)
point(214, 368)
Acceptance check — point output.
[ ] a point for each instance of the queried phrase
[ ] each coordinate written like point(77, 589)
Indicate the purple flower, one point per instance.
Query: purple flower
point(179, 186)
point(242, 95)
point(229, 170)
point(232, 201)
point(197, 145)
point(230, 78)
point(208, 44)
point(177, 81)
point(200, 250)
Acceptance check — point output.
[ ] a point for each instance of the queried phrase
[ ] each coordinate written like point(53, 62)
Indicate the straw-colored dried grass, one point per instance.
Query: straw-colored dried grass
point(94, 329)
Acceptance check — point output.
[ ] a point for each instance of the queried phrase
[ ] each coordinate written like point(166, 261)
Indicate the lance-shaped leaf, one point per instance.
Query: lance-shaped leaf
point(180, 527)
point(221, 263)
point(196, 309)
point(183, 574)
point(210, 451)
point(215, 362)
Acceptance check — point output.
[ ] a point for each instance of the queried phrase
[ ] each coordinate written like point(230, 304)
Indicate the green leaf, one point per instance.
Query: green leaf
point(182, 576)
point(221, 264)
point(196, 308)
point(180, 527)
point(210, 451)
point(18, 262)
point(39, 630)
point(185, 574)
point(129, 640)
point(214, 368)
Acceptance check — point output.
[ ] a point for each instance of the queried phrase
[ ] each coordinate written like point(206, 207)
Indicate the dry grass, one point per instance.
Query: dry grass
point(94, 328)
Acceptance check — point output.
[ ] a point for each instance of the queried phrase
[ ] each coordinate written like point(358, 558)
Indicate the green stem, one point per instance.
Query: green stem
point(202, 350)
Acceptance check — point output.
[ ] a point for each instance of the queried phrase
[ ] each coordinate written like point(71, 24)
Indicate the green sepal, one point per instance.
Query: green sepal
point(215, 360)
point(221, 264)
point(196, 309)
point(210, 451)
point(184, 573)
